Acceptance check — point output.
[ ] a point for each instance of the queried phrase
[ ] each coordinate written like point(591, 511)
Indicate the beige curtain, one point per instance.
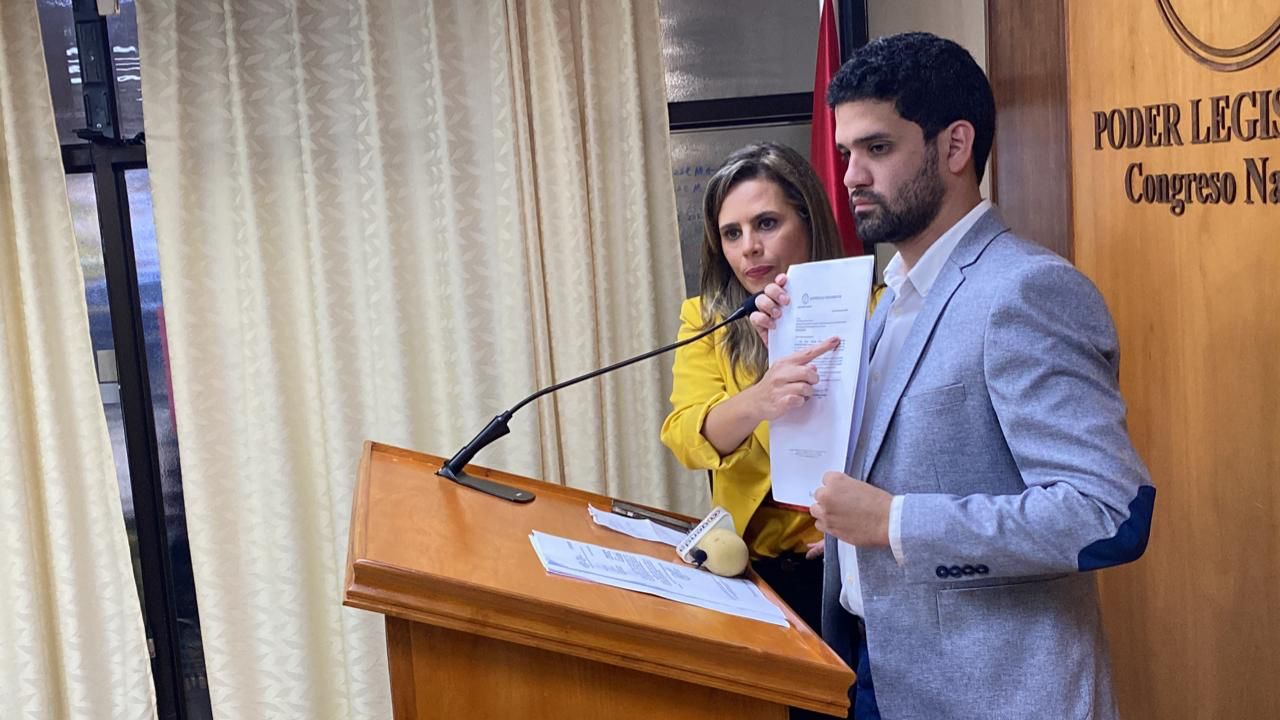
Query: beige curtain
point(599, 222)
point(72, 643)
point(392, 219)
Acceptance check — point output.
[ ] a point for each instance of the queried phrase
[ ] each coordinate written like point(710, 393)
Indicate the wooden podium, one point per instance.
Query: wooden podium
point(477, 629)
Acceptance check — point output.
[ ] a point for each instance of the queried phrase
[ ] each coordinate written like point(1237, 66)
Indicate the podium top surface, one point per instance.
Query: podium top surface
point(425, 549)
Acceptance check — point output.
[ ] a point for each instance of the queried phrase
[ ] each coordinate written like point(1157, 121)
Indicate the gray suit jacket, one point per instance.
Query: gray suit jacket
point(1004, 429)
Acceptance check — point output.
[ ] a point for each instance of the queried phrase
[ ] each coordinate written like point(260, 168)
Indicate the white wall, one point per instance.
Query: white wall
point(964, 21)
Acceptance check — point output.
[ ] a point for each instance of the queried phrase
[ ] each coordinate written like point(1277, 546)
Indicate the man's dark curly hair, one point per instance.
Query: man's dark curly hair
point(931, 81)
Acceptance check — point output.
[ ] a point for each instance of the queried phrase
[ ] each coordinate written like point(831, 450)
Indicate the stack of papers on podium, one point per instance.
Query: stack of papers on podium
point(674, 581)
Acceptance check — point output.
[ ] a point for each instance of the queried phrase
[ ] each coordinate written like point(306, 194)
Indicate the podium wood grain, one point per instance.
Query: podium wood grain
point(477, 628)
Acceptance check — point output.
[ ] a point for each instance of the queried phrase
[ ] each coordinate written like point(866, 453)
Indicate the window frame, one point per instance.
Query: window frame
point(107, 158)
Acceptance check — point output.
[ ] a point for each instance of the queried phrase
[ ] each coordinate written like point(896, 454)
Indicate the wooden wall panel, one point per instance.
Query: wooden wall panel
point(1195, 625)
point(1031, 163)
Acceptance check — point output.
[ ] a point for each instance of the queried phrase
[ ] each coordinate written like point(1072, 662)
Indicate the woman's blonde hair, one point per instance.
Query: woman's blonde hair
point(719, 288)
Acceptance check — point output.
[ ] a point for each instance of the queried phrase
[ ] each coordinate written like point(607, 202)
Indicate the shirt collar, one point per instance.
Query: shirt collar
point(930, 264)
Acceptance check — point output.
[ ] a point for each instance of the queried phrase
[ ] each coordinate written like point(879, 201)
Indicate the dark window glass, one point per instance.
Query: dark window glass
point(57, 28)
point(738, 48)
point(123, 31)
point(84, 214)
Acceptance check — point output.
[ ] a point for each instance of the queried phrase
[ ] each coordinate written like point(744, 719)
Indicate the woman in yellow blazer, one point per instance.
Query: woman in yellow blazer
point(763, 211)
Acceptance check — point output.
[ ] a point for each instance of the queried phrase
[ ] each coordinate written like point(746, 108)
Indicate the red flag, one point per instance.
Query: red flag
point(822, 147)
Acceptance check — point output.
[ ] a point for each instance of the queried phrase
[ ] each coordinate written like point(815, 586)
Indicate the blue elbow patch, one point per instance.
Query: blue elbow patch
point(1130, 540)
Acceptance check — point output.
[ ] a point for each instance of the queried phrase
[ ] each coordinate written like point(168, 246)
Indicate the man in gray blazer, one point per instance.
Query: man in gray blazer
point(993, 470)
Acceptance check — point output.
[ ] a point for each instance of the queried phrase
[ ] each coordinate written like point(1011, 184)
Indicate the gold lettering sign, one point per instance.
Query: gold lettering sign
point(1246, 117)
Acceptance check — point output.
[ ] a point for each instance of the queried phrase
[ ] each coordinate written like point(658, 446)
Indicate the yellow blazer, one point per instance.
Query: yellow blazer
point(703, 379)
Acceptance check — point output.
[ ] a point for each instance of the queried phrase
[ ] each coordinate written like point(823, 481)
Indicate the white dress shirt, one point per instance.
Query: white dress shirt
point(910, 288)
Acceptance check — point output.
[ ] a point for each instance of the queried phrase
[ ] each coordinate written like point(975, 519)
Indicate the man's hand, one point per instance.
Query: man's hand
point(769, 307)
point(852, 510)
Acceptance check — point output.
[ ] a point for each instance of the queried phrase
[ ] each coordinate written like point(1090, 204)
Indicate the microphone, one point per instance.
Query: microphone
point(497, 427)
point(722, 552)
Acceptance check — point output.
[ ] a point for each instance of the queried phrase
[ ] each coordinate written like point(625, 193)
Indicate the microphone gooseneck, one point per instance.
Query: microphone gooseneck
point(497, 427)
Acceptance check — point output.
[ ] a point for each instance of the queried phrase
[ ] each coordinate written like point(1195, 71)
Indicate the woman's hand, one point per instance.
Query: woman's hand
point(789, 382)
point(769, 307)
point(815, 549)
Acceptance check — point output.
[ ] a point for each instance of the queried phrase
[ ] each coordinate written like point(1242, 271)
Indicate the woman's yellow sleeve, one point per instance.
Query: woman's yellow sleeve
point(698, 386)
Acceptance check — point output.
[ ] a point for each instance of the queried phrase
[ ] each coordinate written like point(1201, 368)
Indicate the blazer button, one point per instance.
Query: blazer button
point(982, 569)
point(968, 570)
point(955, 571)
point(941, 571)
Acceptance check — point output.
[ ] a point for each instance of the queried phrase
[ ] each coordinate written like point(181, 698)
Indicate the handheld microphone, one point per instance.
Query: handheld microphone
point(497, 427)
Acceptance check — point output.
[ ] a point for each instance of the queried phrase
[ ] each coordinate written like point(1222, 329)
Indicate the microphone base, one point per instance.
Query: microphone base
point(488, 487)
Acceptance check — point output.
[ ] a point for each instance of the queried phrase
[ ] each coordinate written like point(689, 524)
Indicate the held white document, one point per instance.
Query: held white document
point(642, 573)
point(828, 298)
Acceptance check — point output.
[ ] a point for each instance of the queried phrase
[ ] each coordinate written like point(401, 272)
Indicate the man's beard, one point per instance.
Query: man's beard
point(915, 205)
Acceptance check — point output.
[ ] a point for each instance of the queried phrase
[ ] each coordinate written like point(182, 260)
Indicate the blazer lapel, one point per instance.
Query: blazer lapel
point(871, 338)
point(948, 281)
point(875, 326)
